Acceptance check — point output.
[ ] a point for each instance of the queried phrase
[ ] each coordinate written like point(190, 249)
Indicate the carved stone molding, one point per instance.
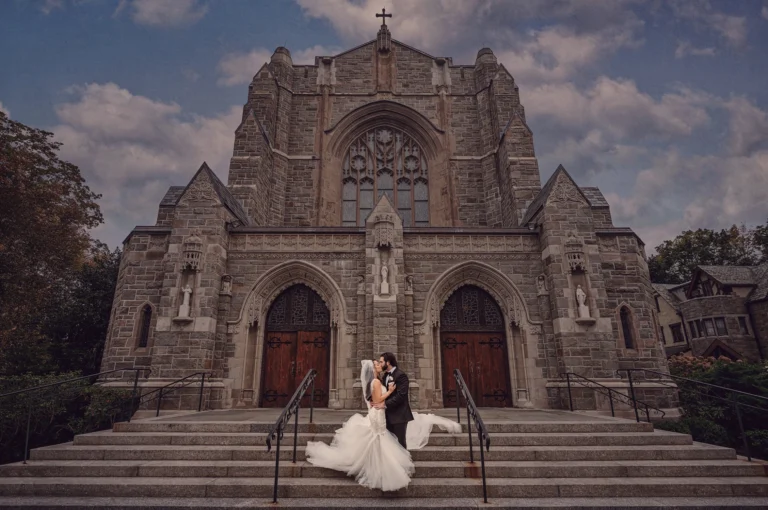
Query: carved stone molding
point(303, 242)
point(384, 231)
point(487, 278)
point(254, 255)
point(350, 329)
point(470, 243)
point(574, 253)
point(473, 256)
point(201, 190)
point(565, 191)
point(279, 278)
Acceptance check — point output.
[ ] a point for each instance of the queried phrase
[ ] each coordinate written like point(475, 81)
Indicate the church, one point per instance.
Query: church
point(385, 199)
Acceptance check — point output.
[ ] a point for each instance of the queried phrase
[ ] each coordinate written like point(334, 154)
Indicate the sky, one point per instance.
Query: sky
point(661, 104)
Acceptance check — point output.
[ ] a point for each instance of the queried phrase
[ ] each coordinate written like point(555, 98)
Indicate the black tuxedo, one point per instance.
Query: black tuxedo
point(398, 410)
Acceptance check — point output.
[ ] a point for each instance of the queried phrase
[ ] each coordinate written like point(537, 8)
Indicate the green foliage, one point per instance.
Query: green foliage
point(709, 414)
point(676, 259)
point(56, 413)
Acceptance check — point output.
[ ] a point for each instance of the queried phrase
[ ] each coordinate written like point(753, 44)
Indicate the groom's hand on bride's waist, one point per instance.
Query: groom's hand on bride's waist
point(380, 405)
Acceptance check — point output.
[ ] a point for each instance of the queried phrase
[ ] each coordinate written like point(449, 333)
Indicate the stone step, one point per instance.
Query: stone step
point(424, 469)
point(436, 439)
point(646, 503)
point(696, 451)
point(122, 487)
point(580, 427)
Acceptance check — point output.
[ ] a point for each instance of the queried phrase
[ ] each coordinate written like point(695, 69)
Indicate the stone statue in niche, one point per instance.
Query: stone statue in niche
point(581, 299)
point(184, 308)
point(360, 284)
point(409, 283)
point(226, 285)
point(384, 281)
point(541, 284)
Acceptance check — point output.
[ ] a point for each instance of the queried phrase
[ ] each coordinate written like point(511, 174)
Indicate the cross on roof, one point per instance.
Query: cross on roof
point(383, 16)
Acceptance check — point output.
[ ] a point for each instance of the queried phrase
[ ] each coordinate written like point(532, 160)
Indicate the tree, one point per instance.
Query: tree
point(46, 210)
point(675, 260)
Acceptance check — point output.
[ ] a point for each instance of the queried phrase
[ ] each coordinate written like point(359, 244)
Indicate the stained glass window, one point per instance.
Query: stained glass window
point(298, 308)
point(385, 161)
point(471, 308)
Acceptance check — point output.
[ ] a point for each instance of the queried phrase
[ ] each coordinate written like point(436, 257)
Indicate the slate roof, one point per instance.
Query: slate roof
point(173, 195)
point(756, 276)
point(595, 197)
point(664, 290)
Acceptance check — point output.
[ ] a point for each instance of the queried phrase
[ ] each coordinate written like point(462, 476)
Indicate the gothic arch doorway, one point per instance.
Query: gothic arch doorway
point(297, 338)
point(472, 339)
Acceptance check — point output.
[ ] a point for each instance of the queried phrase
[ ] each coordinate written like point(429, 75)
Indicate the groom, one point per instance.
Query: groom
point(396, 407)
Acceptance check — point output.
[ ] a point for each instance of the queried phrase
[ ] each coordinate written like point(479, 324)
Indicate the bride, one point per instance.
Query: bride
point(365, 449)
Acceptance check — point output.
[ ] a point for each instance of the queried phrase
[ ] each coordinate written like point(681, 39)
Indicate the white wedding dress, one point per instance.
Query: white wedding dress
point(365, 449)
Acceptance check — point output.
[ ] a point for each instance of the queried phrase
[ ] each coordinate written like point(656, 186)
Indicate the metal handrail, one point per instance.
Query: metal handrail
point(162, 388)
point(292, 409)
point(51, 385)
point(482, 431)
point(732, 400)
point(611, 391)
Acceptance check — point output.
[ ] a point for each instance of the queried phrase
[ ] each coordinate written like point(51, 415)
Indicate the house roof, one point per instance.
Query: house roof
point(746, 276)
point(172, 196)
point(595, 197)
point(664, 290)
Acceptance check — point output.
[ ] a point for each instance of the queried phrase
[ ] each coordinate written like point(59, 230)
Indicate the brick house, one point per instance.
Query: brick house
point(722, 311)
point(384, 199)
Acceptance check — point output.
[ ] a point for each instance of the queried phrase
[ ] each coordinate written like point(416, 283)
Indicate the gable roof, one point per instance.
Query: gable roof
point(664, 290)
point(172, 196)
point(541, 198)
point(745, 276)
point(595, 197)
point(230, 202)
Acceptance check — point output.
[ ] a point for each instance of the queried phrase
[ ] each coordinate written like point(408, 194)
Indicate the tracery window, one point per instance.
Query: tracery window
point(471, 308)
point(385, 161)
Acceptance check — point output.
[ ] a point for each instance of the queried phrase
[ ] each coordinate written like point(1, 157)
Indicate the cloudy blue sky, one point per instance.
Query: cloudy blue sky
point(662, 104)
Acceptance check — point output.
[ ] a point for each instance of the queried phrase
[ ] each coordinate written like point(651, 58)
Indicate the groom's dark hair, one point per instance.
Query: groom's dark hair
point(390, 358)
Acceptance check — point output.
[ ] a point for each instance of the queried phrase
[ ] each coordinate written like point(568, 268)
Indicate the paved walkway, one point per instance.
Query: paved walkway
point(490, 415)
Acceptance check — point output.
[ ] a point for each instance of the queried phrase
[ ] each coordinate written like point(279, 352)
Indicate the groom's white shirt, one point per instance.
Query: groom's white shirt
point(389, 378)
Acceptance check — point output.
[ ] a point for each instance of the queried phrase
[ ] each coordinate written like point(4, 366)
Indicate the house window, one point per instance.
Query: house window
point(677, 333)
point(625, 317)
point(709, 327)
point(693, 329)
point(385, 161)
point(720, 325)
point(146, 320)
point(743, 326)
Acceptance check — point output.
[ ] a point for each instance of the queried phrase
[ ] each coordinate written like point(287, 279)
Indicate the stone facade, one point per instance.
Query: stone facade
point(722, 311)
point(467, 208)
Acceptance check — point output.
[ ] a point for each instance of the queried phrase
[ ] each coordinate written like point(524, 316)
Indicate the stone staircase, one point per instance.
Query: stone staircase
point(563, 461)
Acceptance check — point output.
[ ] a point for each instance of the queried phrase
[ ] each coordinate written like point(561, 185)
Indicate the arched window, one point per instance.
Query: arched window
point(385, 161)
point(625, 316)
point(146, 321)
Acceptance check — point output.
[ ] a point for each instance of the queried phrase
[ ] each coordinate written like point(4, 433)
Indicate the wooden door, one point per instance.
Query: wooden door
point(491, 372)
point(472, 340)
point(297, 339)
point(455, 350)
point(314, 351)
point(280, 359)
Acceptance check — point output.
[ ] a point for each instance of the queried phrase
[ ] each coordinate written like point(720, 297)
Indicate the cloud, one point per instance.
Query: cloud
point(4, 109)
point(764, 12)
point(238, 68)
point(731, 28)
point(51, 5)
point(164, 13)
point(131, 148)
point(748, 127)
point(684, 48)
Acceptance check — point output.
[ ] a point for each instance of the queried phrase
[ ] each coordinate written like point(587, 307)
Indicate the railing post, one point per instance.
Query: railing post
point(133, 395)
point(482, 464)
point(200, 400)
point(312, 401)
point(277, 465)
point(741, 427)
point(632, 392)
point(570, 399)
point(610, 399)
point(159, 400)
point(458, 403)
point(296, 430)
point(469, 429)
point(29, 421)
point(647, 414)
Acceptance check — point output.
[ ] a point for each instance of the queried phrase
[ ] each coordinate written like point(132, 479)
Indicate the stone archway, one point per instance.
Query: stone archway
point(522, 333)
point(249, 328)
